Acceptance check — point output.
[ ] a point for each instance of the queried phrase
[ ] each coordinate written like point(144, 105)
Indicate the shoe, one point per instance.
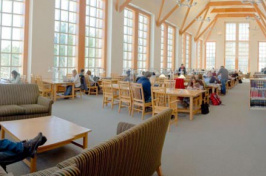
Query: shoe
point(31, 146)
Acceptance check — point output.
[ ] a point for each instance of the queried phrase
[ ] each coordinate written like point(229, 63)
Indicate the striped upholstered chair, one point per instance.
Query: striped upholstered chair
point(135, 151)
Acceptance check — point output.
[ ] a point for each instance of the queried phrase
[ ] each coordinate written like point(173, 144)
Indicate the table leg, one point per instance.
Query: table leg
point(2, 133)
point(55, 93)
point(85, 141)
point(200, 100)
point(191, 108)
point(33, 164)
point(73, 91)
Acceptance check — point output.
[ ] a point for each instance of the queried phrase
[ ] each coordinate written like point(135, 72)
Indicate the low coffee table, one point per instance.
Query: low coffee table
point(59, 132)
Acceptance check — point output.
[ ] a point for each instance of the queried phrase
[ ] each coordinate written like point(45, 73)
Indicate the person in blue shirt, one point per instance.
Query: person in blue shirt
point(11, 152)
point(146, 84)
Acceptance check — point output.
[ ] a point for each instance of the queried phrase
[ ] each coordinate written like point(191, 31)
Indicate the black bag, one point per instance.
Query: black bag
point(240, 81)
point(205, 108)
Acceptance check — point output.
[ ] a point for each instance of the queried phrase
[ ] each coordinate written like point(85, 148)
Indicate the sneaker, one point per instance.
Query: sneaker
point(32, 145)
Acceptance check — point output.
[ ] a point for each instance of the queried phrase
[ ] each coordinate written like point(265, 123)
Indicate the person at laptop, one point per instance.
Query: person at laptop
point(75, 79)
point(15, 77)
point(91, 80)
point(12, 152)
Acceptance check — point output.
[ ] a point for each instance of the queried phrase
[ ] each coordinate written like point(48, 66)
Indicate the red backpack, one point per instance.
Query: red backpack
point(215, 99)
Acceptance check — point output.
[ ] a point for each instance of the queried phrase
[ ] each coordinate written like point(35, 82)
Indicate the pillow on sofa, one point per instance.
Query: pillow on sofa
point(68, 171)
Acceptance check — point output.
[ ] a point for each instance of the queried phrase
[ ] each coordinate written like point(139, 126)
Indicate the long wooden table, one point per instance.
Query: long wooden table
point(183, 93)
point(59, 132)
point(55, 84)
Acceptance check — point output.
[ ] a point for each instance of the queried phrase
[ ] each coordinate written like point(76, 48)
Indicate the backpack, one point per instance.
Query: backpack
point(215, 99)
point(240, 81)
point(205, 108)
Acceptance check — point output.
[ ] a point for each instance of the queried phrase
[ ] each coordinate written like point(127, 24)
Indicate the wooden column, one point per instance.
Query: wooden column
point(81, 35)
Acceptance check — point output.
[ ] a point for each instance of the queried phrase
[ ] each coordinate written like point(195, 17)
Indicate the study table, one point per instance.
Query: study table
point(183, 93)
point(55, 84)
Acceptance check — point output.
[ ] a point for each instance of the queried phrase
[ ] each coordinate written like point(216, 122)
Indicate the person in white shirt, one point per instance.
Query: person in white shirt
point(75, 79)
point(91, 80)
point(15, 77)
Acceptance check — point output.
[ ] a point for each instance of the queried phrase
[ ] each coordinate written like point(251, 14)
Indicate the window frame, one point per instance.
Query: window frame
point(199, 56)
point(135, 52)
point(215, 52)
point(237, 41)
point(258, 65)
point(166, 47)
point(184, 49)
point(25, 40)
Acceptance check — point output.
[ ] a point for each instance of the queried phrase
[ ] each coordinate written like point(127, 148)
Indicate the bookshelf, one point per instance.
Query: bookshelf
point(257, 94)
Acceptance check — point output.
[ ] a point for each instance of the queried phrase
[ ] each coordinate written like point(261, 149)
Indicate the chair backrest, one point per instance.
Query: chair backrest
point(137, 92)
point(39, 82)
point(169, 83)
point(16, 94)
point(23, 79)
point(160, 81)
point(135, 152)
point(124, 90)
point(107, 87)
point(32, 79)
point(158, 97)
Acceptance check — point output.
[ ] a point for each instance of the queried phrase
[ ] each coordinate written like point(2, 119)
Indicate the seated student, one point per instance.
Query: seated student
point(127, 78)
point(182, 70)
point(91, 80)
point(194, 84)
point(210, 79)
point(15, 77)
point(11, 152)
point(75, 79)
point(82, 81)
point(146, 84)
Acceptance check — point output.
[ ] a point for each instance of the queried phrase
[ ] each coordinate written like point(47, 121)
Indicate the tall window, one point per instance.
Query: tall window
point(12, 20)
point(95, 30)
point(167, 47)
point(136, 39)
point(199, 54)
point(262, 55)
point(237, 46)
point(65, 37)
point(186, 50)
point(210, 55)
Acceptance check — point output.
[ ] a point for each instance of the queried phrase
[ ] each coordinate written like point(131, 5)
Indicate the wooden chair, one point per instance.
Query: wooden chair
point(109, 94)
point(32, 79)
point(45, 89)
point(160, 82)
point(78, 89)
point(23, 79)
point(91, 89)
point(125, 99)
point(160, 103)
point(169, 83)
point(138, 100)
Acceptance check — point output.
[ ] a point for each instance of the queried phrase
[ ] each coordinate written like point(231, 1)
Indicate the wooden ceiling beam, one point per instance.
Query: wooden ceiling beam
point(227, 3)
point(161, 10)
point(185, 19)
point(117, 5)
point(233, 10)
point(264, 5)
point(168, 14)
point(262, 28)
point(211, 23)
point(260, 14)
point(210, 32)
point(181, 32)
point(122, 7)
point(201, 23)
point(235, 15)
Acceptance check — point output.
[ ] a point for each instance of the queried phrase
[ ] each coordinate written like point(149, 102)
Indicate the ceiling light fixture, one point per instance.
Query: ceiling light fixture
point(186, 3)
point(251, 1)
point(208, 19)
point(253, 18)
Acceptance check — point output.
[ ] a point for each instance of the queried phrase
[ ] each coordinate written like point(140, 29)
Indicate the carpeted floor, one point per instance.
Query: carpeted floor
point(230, 141)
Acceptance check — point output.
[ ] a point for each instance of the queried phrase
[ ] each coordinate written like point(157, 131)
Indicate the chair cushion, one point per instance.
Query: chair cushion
point(34, 109)
point(68, 171)
point(9, 110)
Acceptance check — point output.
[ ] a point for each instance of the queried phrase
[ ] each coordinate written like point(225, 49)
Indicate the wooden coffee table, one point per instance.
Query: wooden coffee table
point(59, 132)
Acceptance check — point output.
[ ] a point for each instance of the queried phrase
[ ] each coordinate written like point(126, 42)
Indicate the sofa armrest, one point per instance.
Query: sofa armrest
point(3, 172)
point(122, 126)
point(45, 102)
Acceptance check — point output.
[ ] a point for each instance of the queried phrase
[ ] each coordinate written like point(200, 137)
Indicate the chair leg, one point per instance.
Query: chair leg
point(119, 108)
point(132, 111)
point(143, 112)
point(112, 104)
point(159, 171)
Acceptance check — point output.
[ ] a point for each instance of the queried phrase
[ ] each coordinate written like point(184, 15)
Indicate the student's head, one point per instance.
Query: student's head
point(82, 71)
point(74, 72)
point(193, 79)
point(128, 73)
point(88, 72)
point(14, 74)
point(209, 74)
point(222, 66)
point(147, 74)
point(182, 65)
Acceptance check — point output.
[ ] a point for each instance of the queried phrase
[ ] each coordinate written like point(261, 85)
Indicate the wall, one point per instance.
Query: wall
point(218, 35)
